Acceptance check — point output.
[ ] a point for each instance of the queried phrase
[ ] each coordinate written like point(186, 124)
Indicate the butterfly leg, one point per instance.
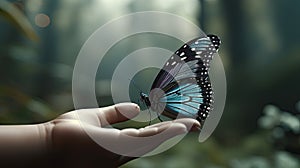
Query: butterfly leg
point(149, 116)
point(148, 111)
point(158, 116)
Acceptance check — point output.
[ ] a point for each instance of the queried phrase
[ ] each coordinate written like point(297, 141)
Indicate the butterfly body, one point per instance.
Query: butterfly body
point(145, 98)
point(182, 88)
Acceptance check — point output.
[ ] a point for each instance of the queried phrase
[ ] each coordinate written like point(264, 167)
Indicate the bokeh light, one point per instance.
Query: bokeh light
point(42, 20)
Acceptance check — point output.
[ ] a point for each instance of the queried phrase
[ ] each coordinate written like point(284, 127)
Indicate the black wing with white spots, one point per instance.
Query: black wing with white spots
point(185, 81)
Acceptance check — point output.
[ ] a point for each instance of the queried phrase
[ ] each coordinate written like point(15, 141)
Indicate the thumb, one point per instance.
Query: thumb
point(118, 113)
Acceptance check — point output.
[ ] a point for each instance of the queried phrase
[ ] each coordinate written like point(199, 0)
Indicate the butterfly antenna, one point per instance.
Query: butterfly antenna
point(149, 116)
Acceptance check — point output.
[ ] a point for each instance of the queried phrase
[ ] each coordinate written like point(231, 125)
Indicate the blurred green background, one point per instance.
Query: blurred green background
point(260, 126)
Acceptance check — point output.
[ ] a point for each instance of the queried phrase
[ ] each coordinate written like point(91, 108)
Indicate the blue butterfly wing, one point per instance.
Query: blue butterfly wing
point(183, 100)
point(184, 81)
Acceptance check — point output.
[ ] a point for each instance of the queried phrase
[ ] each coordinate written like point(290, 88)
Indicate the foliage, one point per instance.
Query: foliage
point(16, 105)
point(14, 15)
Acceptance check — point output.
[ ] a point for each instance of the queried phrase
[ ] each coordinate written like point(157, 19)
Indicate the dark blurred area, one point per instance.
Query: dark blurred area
point(260, 126)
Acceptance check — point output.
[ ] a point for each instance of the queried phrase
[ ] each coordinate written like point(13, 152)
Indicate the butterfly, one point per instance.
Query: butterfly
point(182, 87)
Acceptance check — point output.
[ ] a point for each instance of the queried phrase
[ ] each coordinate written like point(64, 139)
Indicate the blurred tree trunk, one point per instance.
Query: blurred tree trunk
point(236, 32)
point(202, 15)
point(239, 100)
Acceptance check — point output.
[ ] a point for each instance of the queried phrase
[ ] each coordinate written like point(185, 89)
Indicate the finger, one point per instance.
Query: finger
point(192, 124)
point(155, 135)
point(142, 141)
point(145, 132)
point(139, 146)
point(118, 113)
point(159, 124)
point(159, 134)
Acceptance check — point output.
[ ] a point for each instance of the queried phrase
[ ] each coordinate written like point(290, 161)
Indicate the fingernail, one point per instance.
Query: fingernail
point(196, 129)
point(196, 124)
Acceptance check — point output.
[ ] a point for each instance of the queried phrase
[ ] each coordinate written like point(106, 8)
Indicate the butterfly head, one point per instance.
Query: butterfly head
point(145, 98)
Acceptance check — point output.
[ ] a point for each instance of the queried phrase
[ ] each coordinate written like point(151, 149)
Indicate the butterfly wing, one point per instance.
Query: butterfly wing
point(182, 88)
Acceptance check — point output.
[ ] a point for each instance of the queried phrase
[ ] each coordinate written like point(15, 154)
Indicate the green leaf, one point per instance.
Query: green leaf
point(14, 15)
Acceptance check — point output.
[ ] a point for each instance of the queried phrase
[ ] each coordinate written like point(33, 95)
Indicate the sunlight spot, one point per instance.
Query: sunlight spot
point(42, 20)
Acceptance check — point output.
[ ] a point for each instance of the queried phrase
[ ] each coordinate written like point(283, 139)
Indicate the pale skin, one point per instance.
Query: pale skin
point(63, 142)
